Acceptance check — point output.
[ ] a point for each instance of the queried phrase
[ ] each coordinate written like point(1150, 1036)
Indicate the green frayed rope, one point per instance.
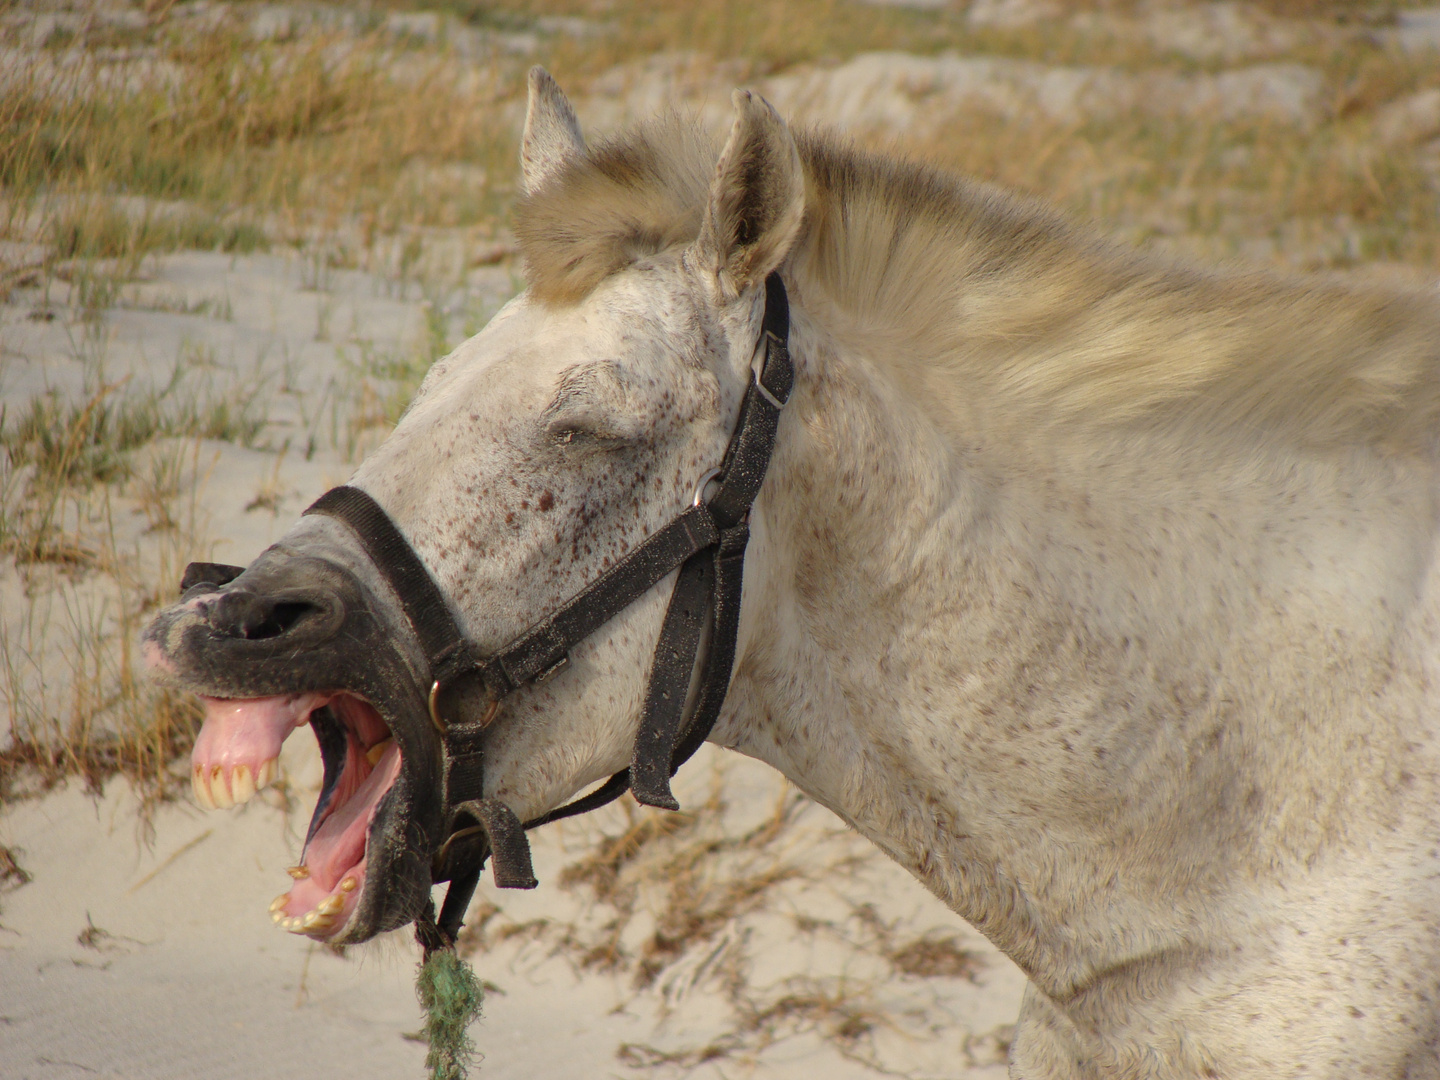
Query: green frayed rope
point(451, 996)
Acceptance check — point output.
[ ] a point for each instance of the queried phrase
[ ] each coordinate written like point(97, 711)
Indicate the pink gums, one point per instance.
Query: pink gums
point(248, 731)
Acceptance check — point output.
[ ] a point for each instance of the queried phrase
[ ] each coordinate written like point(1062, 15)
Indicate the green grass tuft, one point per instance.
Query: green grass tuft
point(451, 996)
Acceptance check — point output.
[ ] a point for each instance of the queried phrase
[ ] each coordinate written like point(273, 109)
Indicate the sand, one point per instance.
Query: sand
point(155, 958)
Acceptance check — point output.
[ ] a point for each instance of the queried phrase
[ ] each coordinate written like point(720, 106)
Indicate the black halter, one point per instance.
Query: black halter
point(707, 543)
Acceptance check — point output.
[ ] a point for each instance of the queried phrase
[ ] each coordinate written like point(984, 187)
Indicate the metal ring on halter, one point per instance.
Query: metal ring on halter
point(440, 724)
point(434, 707)
point(704, 482)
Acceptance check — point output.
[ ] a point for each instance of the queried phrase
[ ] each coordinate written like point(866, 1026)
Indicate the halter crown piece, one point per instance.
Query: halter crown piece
point(707, 542)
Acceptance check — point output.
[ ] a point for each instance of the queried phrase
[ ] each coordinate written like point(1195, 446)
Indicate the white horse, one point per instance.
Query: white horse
point(1097, 591)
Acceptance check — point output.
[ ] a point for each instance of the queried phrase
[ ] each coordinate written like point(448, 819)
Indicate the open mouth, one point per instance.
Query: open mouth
point(237, 753)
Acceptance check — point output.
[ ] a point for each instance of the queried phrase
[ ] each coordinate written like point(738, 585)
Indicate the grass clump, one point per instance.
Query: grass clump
point(323, 126)
point(70, 679)
point(78, 587)
point(154, 729)
point(89, 442)
point(99, 229)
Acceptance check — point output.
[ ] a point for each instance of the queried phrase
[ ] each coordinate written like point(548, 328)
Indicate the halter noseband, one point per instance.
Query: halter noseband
point(707, 542)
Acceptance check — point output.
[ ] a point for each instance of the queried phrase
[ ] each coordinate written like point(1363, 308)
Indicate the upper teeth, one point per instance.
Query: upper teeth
point(217, 789)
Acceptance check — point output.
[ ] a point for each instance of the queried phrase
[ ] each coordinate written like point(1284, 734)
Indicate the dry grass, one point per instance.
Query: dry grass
point(70, 679)
point(12, 874)
point(762, 38)
point(221, 140)
point(1266, 193)
point(297, 134)
point(77, 591)
point(766, 37)
point(708, 877)
point(58, 452)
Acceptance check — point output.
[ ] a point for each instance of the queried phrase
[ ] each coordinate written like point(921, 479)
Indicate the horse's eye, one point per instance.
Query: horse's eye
point(590, 433)
point(592, 410)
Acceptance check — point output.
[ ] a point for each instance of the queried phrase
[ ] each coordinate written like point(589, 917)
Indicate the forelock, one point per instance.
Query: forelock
point(626, 198)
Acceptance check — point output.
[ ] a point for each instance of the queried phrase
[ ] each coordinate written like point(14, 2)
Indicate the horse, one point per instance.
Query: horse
point(1097, 589)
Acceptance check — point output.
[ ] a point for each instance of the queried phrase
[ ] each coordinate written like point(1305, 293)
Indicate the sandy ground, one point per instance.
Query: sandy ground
point(156, 959)
point(151, 955)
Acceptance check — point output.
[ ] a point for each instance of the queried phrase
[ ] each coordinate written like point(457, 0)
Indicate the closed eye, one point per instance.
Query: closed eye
point(566, 431)
point(591, 409)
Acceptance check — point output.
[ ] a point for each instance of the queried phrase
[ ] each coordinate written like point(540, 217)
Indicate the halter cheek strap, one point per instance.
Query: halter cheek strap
point(706, 543)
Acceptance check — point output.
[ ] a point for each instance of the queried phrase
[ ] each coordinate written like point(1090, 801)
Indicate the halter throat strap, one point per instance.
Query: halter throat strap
point(706, 543)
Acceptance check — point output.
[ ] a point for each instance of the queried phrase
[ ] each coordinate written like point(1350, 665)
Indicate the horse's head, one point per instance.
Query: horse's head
point(538, 454)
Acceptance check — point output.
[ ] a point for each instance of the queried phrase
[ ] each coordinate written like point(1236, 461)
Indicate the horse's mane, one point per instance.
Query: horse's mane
point(977, 296)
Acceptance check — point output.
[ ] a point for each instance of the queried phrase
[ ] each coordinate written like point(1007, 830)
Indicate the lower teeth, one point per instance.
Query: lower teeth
point(320, 917)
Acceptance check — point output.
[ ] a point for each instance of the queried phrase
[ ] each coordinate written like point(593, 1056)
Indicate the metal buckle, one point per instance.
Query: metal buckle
point(551, 671)
point(776, 403)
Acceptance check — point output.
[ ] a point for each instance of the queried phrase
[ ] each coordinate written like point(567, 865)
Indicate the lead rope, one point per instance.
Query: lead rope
point(451, 996)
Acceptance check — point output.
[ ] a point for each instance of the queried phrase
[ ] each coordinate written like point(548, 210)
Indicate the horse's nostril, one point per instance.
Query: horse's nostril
point(241, 613)
point(282, 617)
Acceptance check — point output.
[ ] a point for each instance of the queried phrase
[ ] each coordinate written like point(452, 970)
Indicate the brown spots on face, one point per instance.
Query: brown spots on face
point(547, 500)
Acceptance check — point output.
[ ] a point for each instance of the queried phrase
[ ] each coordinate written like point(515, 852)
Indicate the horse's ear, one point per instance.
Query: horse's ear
point(552, 134)
point(757, 198)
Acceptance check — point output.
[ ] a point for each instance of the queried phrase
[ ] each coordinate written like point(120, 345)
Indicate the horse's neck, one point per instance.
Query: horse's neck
point(988, 660)
point(884, 605)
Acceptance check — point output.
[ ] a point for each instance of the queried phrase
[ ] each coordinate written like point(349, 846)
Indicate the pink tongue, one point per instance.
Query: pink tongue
point(249, 731)
point(337, 850)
